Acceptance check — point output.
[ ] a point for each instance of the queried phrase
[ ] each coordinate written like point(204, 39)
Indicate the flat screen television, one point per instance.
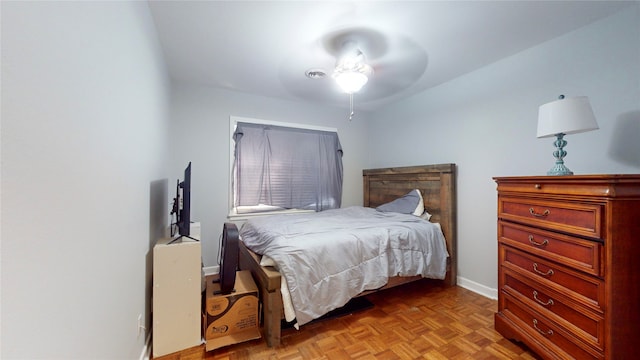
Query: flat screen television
point(184, 215)
point(182, 205)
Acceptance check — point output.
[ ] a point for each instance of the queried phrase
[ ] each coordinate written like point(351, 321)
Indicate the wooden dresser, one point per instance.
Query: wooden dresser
point(569, 265)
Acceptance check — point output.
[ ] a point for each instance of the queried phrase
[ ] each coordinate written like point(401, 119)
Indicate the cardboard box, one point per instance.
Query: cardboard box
point(232, 318)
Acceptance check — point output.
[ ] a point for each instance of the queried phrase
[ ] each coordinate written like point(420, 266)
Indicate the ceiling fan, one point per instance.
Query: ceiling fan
point(354, 60)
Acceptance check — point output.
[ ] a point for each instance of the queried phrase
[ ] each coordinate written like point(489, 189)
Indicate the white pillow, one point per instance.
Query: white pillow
point(420, 207)
point(426, 215)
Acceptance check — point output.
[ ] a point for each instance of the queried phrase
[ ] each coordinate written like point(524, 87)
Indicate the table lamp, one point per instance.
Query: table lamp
point(561, 117)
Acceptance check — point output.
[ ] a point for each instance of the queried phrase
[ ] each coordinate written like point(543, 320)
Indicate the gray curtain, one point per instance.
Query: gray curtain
point(290, 168)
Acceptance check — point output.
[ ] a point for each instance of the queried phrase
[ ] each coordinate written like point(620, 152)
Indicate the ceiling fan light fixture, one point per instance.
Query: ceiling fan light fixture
point(351, 72)
point(351, 81)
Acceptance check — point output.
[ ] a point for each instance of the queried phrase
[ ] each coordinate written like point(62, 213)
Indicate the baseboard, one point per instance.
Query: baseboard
point(478, 288)
point(146, 350)
point(211, 270)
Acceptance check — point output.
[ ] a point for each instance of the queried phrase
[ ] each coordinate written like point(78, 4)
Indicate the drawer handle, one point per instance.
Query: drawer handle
point(535, 297)
point(534, 213)
point(548, 273)
point(544, 243)
point(545, 333)
point(537, 186)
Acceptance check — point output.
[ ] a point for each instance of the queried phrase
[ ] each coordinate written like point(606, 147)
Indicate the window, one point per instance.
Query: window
point(280, 166)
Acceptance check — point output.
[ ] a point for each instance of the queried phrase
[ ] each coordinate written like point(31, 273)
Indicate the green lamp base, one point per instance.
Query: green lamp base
point(559, 154)
point(559, 169)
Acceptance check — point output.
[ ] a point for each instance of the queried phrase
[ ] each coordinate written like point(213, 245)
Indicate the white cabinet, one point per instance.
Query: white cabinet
point(177, 296)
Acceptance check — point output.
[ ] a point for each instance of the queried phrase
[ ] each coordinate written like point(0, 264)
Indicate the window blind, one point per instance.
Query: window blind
point(286, 168)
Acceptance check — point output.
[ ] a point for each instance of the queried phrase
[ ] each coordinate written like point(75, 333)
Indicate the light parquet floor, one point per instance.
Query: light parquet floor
point(416, 321)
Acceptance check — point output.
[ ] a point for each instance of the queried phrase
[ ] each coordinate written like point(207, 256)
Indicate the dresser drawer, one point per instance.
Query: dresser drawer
point(583, 219)
point(546, 186)
point(581, 322)
point(585, 289)
point(580, 254)
point(562, 343)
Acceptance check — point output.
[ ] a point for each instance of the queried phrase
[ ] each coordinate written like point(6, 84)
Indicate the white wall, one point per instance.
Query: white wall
point(485, 122)
point(84, 181)
point(200, 134)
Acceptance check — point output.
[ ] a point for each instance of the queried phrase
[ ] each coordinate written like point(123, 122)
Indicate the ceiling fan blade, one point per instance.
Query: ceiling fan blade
point(371, 42)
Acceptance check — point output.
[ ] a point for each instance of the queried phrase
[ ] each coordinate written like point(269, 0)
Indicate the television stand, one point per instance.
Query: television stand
point(180, 238)
point(194, 233)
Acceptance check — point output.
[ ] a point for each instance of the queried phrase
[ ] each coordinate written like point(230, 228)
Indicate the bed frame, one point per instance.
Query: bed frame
point(438, 186)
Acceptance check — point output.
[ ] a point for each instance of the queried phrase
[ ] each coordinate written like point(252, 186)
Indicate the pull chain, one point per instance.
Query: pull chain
point(350, 106)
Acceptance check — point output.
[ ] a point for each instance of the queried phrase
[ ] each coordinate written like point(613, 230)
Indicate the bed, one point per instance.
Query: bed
point(381, 186)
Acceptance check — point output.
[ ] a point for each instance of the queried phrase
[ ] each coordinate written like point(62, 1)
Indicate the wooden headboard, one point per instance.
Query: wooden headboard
point(437, 183)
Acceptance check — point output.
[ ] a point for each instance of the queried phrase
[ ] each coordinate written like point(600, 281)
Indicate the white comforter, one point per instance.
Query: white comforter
point(329, 257)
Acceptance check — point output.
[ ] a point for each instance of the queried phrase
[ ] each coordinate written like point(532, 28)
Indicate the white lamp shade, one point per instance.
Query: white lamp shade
point(351, 81)
point(566, 116)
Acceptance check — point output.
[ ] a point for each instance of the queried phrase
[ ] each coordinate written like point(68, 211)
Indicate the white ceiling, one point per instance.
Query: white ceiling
point(265, 47)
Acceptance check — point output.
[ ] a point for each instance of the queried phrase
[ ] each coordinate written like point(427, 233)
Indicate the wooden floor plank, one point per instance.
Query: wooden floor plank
point(421, 320)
